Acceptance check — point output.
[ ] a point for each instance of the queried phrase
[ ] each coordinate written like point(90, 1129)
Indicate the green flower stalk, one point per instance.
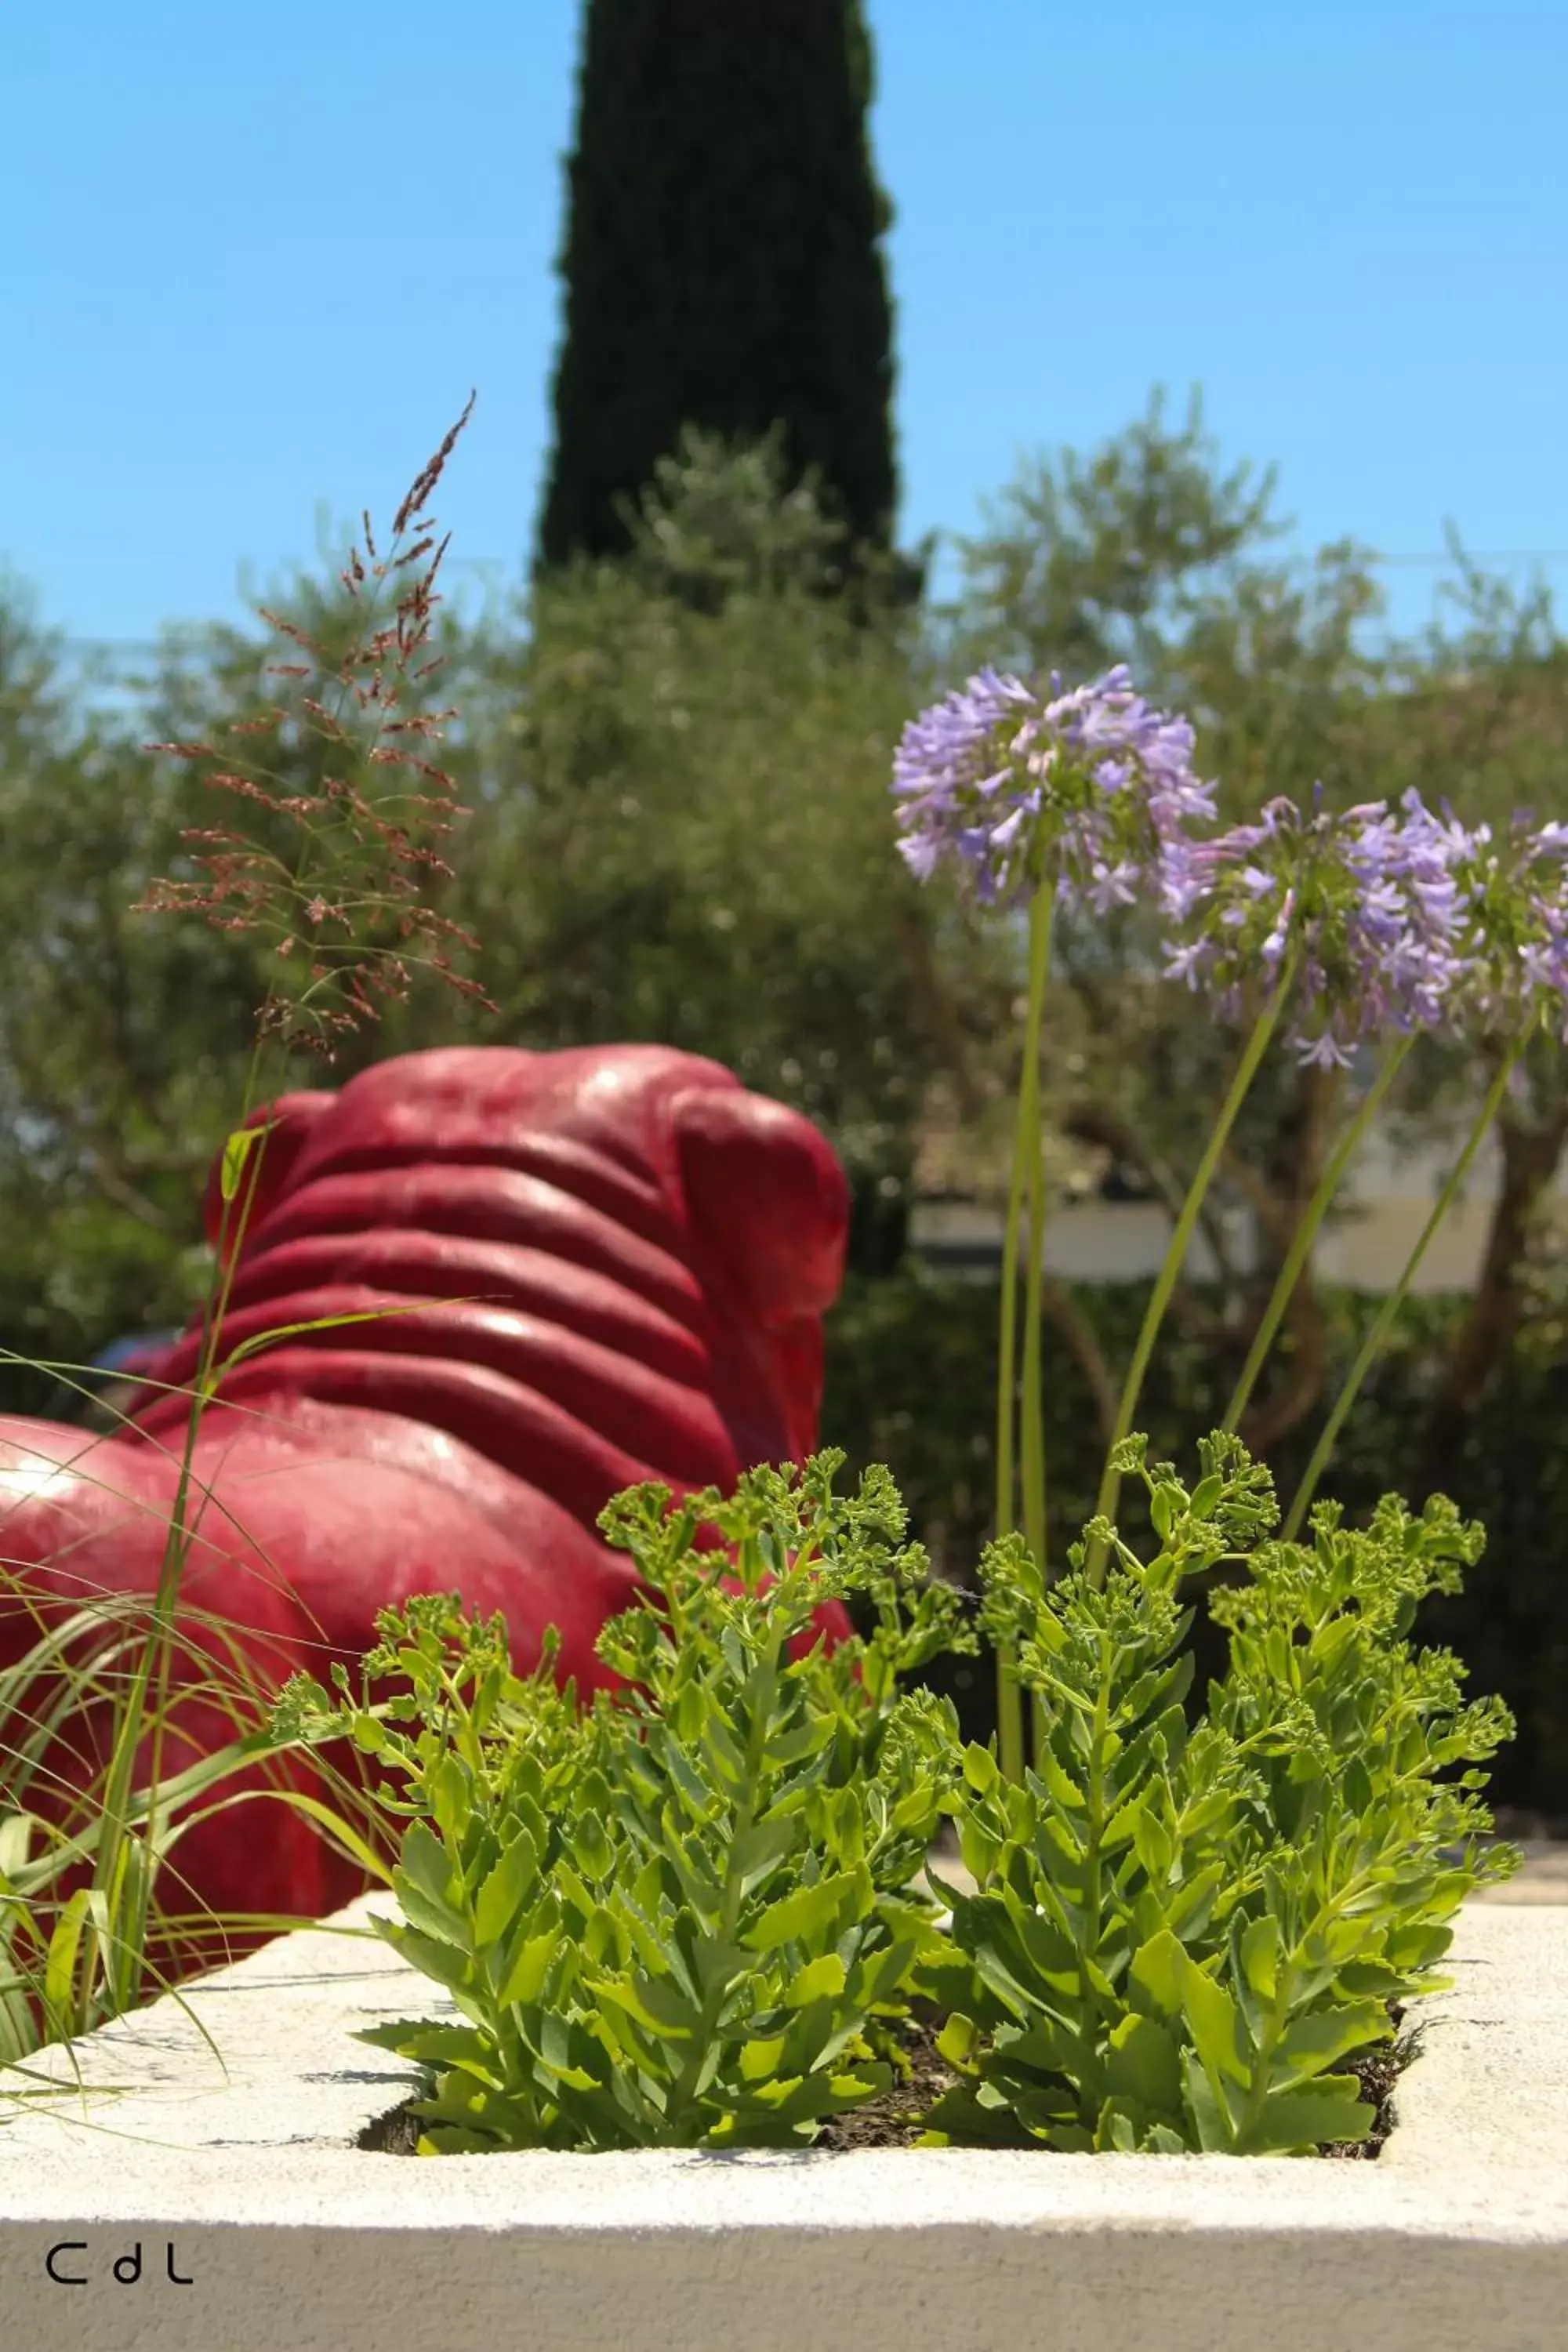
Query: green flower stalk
point(1176, 1255)
point(1036, 802)
point(1027, 1191)
point(1388, 1312)
point(1306, 1231)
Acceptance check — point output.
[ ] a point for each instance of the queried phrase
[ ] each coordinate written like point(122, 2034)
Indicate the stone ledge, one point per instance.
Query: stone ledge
point(293, 2240)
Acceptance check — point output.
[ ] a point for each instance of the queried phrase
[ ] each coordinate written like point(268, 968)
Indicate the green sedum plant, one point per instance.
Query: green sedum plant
point(688, 1914)
point(681, 1916)
point(1185, 1929)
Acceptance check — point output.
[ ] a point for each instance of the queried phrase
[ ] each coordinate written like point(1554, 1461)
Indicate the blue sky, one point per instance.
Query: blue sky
point(256, 257)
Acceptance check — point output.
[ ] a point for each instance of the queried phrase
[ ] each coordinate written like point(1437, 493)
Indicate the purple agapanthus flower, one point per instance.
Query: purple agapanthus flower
point(1083, 787)
point(1509, 919)
point(1365, 900)
point(1393, 918)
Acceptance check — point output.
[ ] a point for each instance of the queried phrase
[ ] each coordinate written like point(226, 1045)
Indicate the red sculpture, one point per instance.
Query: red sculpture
point(613, 1263)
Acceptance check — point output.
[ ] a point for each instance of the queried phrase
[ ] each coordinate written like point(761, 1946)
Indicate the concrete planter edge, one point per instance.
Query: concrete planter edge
point(263, 2228)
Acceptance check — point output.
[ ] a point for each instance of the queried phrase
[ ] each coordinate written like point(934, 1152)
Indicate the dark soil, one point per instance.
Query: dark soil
point(394, 2133)
point(893, 2120)
point(1378, 2073)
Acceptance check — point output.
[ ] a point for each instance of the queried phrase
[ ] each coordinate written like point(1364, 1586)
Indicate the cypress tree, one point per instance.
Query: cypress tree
point(722, 259)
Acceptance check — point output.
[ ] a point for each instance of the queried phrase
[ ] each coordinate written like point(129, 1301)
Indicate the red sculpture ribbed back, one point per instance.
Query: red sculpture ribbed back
point(608, 1264)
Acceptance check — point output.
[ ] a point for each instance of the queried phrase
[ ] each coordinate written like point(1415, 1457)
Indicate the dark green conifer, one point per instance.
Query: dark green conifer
point(722, 259)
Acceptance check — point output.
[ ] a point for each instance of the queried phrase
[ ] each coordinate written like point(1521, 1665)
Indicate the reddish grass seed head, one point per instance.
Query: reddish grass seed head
point(363, 857)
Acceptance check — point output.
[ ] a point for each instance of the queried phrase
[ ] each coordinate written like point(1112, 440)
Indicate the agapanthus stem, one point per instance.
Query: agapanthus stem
point(1181, 1239)
point(1387, 1314)
point(1032, 1447)
point(1307, 1232)
point(1025, 1183)
point(1033, 1443)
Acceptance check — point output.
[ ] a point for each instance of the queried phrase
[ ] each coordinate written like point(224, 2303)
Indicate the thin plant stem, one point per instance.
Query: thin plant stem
point(1181, 1239)
point(1032, 1445)
point(1306, 1231)
point(1025, 1157)
point(1383, 1321)
point(1032, 1441)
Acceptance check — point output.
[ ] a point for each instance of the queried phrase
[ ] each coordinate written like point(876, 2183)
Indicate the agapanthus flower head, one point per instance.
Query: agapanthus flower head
point(1364, 901)
point(1079, 789)
point(1509, 919)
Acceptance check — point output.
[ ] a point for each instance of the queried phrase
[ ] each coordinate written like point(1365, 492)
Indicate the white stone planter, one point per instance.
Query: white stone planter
point(218, 2203)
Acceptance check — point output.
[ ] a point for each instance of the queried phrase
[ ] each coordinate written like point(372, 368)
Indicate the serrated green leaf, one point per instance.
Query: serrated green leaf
point(1311, 2043)
point(449, 1963)
point(524, 1979)
point(506, 1888)
point(959, 2040)
point(1151, 1841)
point(821, 1980)
point(1179, 1988)
point(653, 2003)
point(759, 1852)
point(758, 2060)
point(427, 1865)
point(1210, 2106)
point(1296, 2121)
point(1260, 1947)
point(810, 1915)
point(1156, 1970)
point(448, 1788)
point(1143, 2063)
point(1214, 2023)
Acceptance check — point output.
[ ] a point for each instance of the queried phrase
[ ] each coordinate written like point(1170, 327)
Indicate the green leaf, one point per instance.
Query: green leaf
point(1179, 1988)
point(427, 1865)
point(653, 2003)
point(1151, 1841)
point(1156, 1969)
point(448, 1962)
point(428, 2044)
point(1333, 2109)
point(1311, 2043)
point(820, 1979)
point(1143, 2063)
point(959, 2040)
point(431, 1917)
point(759, 1853)
point(238, 1145)
point(65, 1942)
point(525, 1979)
point(449, 1799)
point(759, 2061)
point(1214, 2023)
point(811, 1915)
point(505, 1890)
point(1260, 1948)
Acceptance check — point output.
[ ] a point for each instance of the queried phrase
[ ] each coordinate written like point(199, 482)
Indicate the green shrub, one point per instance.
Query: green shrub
point(688, 1914)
